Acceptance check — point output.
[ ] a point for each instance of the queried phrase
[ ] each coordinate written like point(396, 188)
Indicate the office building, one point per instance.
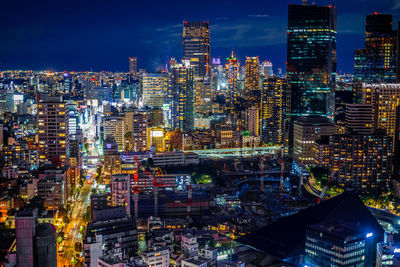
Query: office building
point(359, 118)
point(232, 75)
point(252, 119)
point(385, 100)
point(154, 88)
point(311, 59)
point(361, 161)
point(272, 110)
point(46, 245)
point(196, 46)
point(121, 191)
point(377, 61)
point(133, 70)
point(182, 101)
point(335, 243)
point(139, 131)
point(53, 131)
point(114, 127)
point(252, 79)
point(306, 131)
point(36, 242)
point(266, 69)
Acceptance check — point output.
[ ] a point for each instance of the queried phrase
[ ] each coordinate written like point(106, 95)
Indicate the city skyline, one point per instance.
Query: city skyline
point(82, 37)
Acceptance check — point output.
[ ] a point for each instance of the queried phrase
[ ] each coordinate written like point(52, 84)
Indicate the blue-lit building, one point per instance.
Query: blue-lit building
point(311, 59)
point(335, 243)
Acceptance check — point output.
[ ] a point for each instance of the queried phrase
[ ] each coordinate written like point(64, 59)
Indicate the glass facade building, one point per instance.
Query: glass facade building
point(311, 59)
point(196, 46)
point(377, 61)
point(338, 244)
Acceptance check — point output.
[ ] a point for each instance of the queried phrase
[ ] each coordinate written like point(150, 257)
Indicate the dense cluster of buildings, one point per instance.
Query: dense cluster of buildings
point(110, 169)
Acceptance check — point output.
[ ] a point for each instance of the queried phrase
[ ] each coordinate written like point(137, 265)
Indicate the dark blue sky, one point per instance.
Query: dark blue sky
point(80, 35)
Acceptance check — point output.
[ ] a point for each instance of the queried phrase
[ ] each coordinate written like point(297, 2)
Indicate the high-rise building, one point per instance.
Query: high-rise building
point(182, 102)
point(53, 131)
point(266, 69)
point(25, 224)
point(335, 243)
point(45, 245)
point(139, 131)
point(253, 122)
point(272, 109)
point(36, 242)
point(196, 46)
point(154, 86)
point(133, 67)
point(311, 59)
point(114, 128)
point(377, 61)
point(306, 131)
point(361, 161)
point(252, 79)
point(121, 191)
point(359, 118)
point(232, 75)
point(385, 101)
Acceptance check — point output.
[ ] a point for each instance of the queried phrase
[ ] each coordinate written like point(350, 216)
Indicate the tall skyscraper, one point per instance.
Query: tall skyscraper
point(272, 108)
point(139, 130)
point(311, 59)
point(182, 102)
point(252, 80)
point(377, 61)
point(196, 46)
point(133, 66)
point(232, 75)
point(53, 131)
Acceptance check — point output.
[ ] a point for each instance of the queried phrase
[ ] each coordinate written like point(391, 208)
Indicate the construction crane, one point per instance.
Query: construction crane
point(156, 184)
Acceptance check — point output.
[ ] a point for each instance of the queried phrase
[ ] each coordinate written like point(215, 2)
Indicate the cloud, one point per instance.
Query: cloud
point(258, 15)
point(244, 32)
point(222, 18)
point(396, 5)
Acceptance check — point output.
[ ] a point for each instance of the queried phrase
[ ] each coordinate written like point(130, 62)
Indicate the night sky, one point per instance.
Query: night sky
point(101, 35)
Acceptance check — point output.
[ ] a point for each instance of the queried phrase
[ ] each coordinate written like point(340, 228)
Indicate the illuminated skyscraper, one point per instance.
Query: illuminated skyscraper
point(311, 59)
point(182, 93)
point(252, 80)
point(133, 66)
point(53, 131)
point(377, 61)
point(272, 108)
point(231, 74)
point(139, 130)
point(385, 101)
point(154, 86)
point(266, 69)
point(196, 46)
